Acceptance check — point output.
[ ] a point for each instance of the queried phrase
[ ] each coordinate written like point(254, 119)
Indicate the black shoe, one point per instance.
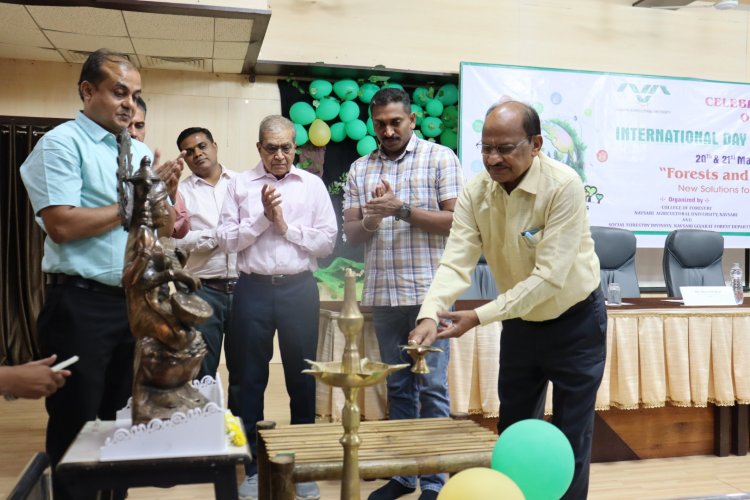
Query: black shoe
point(390, 491)
point(428, 495)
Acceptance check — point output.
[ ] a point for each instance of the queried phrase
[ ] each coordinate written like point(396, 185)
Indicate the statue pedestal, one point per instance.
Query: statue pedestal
point(197, 432)
point(83, 473)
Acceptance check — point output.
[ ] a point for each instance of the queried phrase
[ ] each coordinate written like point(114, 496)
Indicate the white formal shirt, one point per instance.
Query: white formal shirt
point(307, 210)
point(203, 202)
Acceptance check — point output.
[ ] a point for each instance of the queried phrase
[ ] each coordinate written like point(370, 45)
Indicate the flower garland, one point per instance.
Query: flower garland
point(234, 430)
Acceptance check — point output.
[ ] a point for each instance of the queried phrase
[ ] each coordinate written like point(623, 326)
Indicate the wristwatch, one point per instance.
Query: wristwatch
point(404, 212)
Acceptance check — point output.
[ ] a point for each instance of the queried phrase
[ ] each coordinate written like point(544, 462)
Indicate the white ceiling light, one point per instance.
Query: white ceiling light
point(687, 4)
point(726, 4)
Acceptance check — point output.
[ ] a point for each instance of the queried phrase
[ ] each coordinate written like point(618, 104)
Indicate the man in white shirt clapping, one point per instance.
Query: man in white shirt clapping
point(203, 194)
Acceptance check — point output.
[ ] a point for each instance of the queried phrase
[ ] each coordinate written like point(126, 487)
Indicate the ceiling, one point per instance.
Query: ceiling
point(160, 35)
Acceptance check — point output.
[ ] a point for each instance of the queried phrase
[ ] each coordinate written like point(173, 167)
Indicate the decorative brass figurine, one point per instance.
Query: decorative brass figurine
point(350, 374)
point(169, 349)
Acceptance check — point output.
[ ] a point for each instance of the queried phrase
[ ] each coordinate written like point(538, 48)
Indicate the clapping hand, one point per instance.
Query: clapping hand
point(272, 208)
point(170, 172)
point(383, 203)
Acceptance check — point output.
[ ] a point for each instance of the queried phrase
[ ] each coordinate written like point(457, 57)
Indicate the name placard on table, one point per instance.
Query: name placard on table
point(707, 296)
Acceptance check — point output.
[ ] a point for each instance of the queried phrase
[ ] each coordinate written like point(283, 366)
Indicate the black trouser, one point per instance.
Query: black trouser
point(568, 351)
point(93, 325)
point(214, 330)
point(291, 307)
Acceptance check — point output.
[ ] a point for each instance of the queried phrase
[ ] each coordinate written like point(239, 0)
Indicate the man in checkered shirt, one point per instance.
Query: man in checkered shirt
point(398, 201)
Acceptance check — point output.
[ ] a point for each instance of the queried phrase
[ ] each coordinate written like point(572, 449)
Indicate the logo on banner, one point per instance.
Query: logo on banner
point(567, 146)
point(644, 93)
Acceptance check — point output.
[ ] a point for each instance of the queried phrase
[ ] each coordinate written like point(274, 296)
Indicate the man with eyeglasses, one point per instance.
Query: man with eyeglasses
point(280, 220)
point(203, 195)
point(527, 215)
point(398, 201)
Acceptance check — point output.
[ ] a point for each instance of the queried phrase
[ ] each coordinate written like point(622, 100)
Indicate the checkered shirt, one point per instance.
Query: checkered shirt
point(400, 260)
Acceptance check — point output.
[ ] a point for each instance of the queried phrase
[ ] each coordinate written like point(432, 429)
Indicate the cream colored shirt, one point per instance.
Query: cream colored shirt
point(536, 241)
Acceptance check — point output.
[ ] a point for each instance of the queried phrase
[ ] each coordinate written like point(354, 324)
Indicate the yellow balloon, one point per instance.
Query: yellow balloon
point(320, 133)
point(480, 483)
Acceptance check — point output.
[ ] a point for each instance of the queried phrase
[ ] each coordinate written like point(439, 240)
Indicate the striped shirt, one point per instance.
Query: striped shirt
point(400, 260)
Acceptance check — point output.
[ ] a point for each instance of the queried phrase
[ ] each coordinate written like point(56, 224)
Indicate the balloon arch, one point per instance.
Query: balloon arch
point(339, 111)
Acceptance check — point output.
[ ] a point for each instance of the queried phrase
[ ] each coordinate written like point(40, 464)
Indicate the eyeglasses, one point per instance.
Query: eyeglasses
point(501, 150)
point(272, 149)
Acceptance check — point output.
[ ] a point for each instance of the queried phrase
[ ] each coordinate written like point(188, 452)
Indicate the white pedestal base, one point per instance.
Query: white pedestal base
point(198, 432)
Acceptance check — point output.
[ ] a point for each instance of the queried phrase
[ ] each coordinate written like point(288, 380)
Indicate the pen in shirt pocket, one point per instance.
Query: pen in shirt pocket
point(528, 236)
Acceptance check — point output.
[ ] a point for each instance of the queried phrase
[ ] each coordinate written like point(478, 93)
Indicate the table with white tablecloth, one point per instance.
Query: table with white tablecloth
point(658, 353)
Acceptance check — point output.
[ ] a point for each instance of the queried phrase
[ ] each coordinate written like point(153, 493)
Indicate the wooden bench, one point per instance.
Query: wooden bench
point(311, 452)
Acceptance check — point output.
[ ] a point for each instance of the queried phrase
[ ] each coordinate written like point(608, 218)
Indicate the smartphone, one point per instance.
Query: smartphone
point(64, 364)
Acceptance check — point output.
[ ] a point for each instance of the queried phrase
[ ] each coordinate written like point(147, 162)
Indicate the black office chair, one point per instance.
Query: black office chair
point(615, 248)
point(34, 483)
point(692, 257)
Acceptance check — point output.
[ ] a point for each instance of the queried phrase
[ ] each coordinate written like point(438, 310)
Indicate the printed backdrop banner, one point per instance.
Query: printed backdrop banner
point(654, 153)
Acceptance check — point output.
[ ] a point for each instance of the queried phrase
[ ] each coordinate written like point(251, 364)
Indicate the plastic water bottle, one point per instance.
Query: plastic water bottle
point(735, 278)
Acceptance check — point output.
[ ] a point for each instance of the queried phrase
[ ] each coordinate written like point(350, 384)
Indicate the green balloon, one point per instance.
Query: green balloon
point(349, 111)
point(347, 90)
point(366, 145)
point(418, 113)
point(338, 132)
point(356, 129)
point(449, 138)
point(370, 127)
point(419, 134)
point(448, 94)
point(432, 127)
point(320, 88)
point(393, 85)
point(366, 91)
point(301, 135)
point(477, 125)
point(302, 112)
point(434, 107)
point(450, 116)
point(421, 95)
point(328, 109)
point(537, 456)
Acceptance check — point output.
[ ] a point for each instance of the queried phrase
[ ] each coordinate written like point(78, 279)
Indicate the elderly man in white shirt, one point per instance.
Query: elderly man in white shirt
point(203, 194)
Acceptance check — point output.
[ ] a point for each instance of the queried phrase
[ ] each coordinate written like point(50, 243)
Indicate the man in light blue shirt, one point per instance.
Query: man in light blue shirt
point(71, 180)
point(74, 167)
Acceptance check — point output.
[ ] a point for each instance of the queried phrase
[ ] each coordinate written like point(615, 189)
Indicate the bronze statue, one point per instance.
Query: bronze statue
point(169, 349)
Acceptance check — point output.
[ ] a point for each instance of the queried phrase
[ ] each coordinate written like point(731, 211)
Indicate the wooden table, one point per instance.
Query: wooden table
point(312, 452)
point(83, 473)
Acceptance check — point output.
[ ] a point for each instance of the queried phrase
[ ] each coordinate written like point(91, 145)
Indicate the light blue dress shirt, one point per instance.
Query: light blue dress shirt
point(76, 164)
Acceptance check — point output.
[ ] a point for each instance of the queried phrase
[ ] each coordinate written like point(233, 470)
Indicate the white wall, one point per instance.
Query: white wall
point(419, 35)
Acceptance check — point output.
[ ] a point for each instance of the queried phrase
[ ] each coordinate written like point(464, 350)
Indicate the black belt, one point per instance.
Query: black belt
point(85, 283)
point(277, 279)
point(225, 285)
